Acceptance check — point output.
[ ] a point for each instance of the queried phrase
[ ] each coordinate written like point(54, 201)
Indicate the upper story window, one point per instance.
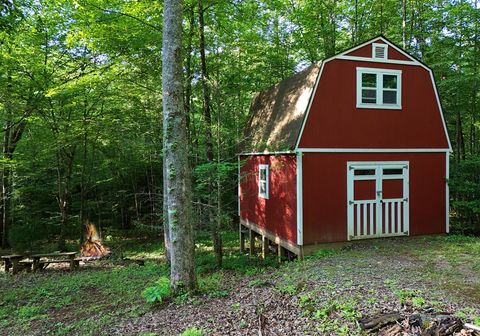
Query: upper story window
point(379, 51)
point(379, 88)
point(263, 178)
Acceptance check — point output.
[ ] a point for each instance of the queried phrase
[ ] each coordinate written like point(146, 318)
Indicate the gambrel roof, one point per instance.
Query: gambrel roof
point(277, 113)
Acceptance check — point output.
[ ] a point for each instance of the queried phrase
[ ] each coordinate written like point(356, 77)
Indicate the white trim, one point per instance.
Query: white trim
point(379, 89)
point(267, 153)
point(299, 199)
point(312, 97)
point(374, 164)
point(376, 60)
point(440, 108)
point(379, 202)
point(447, 192)
point(384, 41)
point(265, 194)
point(350, 209)
point(342, 56)
point(385, 51)
point(373, 150)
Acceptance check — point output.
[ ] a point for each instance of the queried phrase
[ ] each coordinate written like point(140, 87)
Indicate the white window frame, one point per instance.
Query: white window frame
point(379, 88)
point(381, 45)
point(265, 167)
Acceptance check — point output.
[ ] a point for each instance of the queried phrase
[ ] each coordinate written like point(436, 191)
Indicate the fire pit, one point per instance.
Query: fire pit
point(93, 248)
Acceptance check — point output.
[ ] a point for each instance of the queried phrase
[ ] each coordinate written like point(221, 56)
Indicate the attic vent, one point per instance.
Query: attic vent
point(379, 51)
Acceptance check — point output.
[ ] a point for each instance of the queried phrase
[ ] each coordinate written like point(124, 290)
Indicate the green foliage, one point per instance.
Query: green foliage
point(321, 254)
point(158, 292)
point(29, 312)
point(409, 294)
point(465, 187)
point(192, 332)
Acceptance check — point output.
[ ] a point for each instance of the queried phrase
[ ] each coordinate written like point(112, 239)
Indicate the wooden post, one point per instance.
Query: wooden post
point(265, 245)
point(251, 235)
point(8, 265)
point(15, 265)
point(36, 264)
point(242, 239)
point(281, 252)
point(72, 262)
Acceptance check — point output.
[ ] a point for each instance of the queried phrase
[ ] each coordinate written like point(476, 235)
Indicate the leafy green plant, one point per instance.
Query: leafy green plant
point(192, 332)
point(29, 312)
point(287, 289)
point(418, 301)
point(158, 292)
point(321, 254)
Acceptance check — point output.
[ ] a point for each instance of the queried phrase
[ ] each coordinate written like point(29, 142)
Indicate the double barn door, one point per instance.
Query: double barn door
point(377, 199)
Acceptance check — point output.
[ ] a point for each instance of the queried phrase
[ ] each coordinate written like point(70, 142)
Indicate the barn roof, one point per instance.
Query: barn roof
point(277, 113)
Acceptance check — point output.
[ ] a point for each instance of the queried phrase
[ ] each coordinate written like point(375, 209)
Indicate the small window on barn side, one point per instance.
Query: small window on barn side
point(263, 179)
point(379, 88)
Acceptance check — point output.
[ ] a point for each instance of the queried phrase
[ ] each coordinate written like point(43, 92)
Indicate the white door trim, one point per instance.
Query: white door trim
point(384, 208)
point(299, 199)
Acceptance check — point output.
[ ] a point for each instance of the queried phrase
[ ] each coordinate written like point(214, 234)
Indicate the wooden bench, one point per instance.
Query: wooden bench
point(13, 261)
point(41, 261)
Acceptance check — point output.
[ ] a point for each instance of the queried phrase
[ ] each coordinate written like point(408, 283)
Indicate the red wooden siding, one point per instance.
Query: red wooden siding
point(278, 214)
point(325, 188)
point(366, 51)
point(335, 122)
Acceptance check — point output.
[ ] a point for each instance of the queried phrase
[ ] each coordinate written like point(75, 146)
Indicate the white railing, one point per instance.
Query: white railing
point(384, 218)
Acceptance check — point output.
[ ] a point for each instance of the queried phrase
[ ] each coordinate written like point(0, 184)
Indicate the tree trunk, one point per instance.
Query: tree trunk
point(175, 149)
point(64, 176)
point(166, 230)
point(13, 132)
point(213, 222)
point(404, 24)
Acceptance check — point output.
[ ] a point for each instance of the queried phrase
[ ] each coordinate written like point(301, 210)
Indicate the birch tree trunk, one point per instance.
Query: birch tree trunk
point(175, 149)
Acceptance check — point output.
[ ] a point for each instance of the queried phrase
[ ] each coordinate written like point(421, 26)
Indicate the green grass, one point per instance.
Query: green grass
point(87, 301)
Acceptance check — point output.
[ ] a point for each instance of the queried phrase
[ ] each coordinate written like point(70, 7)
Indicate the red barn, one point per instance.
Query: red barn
point(353, 147)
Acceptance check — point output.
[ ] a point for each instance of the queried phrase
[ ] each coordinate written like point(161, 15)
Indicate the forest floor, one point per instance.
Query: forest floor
point(323, 295)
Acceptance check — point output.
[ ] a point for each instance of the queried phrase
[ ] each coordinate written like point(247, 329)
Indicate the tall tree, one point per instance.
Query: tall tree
point(207, 115)
point(175, 150)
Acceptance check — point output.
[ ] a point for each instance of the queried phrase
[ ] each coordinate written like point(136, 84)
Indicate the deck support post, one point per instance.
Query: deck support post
point(265, 245)
point(242, 239)
point(281, 252)
point(251, 235)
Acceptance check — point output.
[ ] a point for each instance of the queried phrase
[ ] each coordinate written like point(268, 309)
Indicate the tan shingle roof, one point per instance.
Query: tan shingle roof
point(277, 113)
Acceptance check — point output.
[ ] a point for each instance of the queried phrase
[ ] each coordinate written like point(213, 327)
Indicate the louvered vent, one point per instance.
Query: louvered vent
point(380, 51)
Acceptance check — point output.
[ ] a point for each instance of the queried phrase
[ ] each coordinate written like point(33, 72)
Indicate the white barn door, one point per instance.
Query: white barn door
point(377, 199)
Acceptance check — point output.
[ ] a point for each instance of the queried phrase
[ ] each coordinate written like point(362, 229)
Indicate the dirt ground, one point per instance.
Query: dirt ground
point(326, 296)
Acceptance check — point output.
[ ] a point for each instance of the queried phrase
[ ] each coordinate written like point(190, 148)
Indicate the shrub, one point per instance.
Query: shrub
point(158, 292)
point(465, 194)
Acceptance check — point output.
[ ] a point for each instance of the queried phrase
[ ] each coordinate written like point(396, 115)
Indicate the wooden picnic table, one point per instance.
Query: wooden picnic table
point(12, 261)
point(42, 260)
point(36, 262)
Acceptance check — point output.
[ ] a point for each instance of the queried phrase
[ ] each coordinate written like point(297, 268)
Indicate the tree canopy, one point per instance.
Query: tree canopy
point(81, 100)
